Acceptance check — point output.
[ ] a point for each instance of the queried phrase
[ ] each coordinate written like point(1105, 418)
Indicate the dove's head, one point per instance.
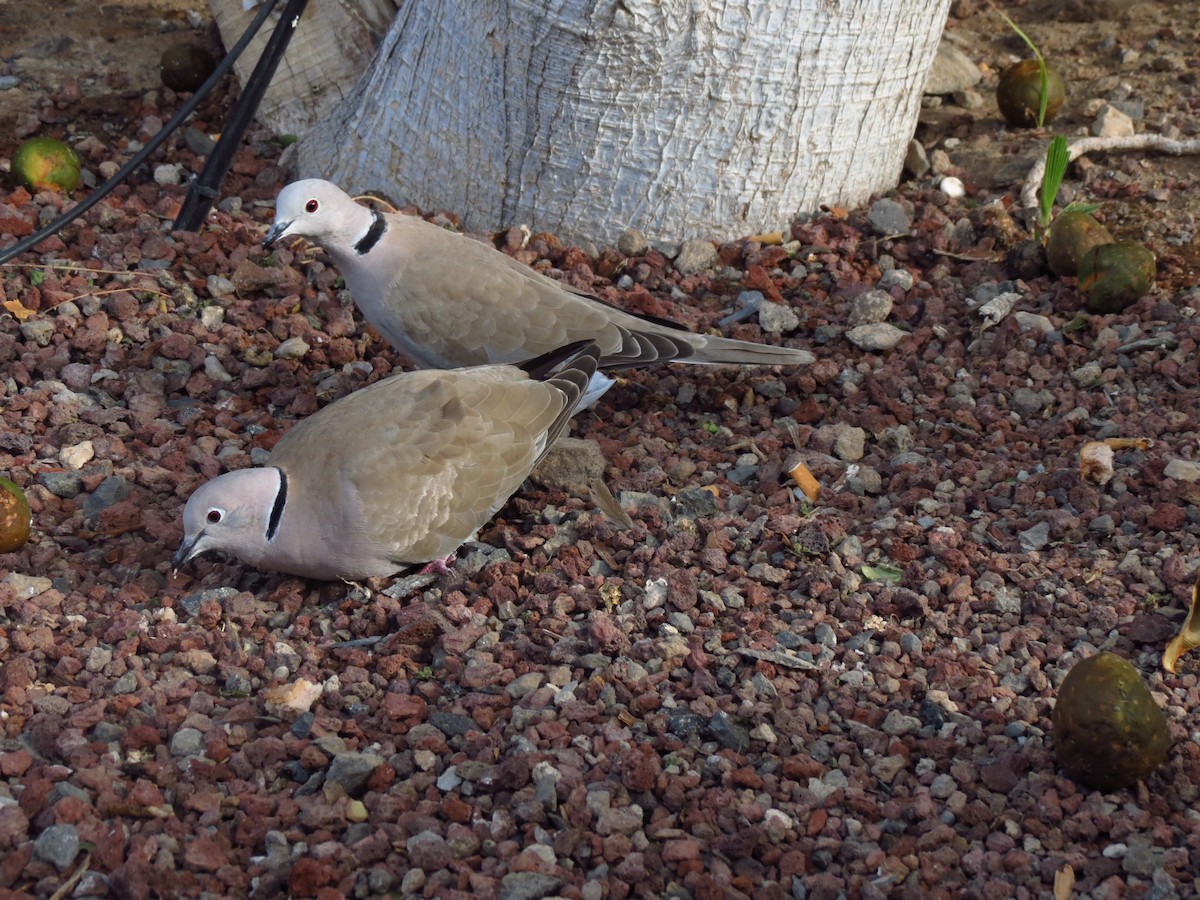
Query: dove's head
point(321, 212)
point(237, 513)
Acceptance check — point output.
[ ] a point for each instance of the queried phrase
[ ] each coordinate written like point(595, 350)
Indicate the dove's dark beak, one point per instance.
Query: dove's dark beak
point(275, 233)
point(186, 553)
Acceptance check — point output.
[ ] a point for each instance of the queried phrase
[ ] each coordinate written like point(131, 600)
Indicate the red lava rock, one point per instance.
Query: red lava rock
point(15, 763)
point(206, 853)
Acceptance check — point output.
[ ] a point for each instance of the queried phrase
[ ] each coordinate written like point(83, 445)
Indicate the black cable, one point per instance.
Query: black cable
point(203, 190)
point(138, 158)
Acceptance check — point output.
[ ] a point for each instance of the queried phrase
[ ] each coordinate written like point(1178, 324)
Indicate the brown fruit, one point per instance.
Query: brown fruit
point(184, 67)
point(1108, 731)
point(1019, 94)
point(1114, 276)
point(15, 517)
point(1071, 236)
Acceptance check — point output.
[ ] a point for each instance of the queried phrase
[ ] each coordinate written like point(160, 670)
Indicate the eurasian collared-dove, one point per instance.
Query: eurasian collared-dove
point(447, 300)
point(396, 474)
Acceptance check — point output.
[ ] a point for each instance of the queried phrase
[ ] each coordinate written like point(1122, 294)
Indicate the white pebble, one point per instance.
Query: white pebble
point(952, 187)
point(78, 456)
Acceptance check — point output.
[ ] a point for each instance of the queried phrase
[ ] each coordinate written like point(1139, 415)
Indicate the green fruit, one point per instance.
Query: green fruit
point(1071, 236)
point(1019, 94)
point(1108, 731)
point(1114, 276)
point(44, 163)
point(15, 517)
point(185, 67)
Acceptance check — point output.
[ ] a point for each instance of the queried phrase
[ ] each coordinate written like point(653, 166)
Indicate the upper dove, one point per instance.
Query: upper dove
point(447, 300)
point(394, 475)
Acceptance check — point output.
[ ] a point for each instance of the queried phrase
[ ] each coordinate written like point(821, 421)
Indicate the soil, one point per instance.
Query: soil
point(746, 693)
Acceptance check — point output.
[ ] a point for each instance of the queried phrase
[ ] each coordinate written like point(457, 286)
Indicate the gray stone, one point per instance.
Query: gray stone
point(870, 307)
point(451, 724)
point(351, 770)
point(850, 444)
point(943, 786)
point(126, 684)
point(292, 348)
point(952, 70)
point(728, 733)
point(527, 886)
point(190, 603)
point(428, 851)
point(545, 783)
point(889, 217)
point(916, 161)
point(524, 685)
point(632, 242)
point(219, 286)
point(888, 767)
point(38, 331)
point(901, 278)
point(570, 464)
point(167, 173)
point(896, 723)
point(695, 257)
point(187, 742)
point(57, 845)
point(777, 318)
point(1111, 122)
point(26, 587)
point(1028, 402)
point(1182, 470)
point(112, 489)
point(1035, 538)
point(8, 82)
point(876, 336)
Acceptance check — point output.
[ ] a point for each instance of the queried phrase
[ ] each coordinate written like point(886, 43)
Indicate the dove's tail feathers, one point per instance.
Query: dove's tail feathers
point(727, 351)
point(570, 369)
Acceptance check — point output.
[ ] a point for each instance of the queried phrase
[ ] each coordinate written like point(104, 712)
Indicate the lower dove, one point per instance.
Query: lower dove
point(447, 300)
point(396, 474)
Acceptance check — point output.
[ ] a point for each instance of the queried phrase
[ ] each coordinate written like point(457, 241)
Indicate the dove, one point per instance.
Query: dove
point(394, 475)
point(446, 300)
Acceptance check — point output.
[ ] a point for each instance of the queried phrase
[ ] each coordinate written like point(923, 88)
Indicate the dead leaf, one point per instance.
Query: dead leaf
point(1096, 457)
point(1064, 883)
point(608, 504)
point(1189, 634)
point(19, 310)
point(770, 239)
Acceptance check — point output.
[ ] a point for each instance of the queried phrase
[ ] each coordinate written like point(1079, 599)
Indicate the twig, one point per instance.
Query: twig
point(1033, 181)
point(65, 888)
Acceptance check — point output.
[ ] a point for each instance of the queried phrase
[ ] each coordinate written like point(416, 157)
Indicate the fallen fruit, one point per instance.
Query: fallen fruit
point(1108, 731)
point(15, 517)
point(1072, 235)
point(1019, 94)
point(46, 164)
point(1114, 276)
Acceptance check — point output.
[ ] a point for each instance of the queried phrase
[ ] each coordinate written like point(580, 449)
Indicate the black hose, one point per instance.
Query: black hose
point(138, 158)
point(203, 190)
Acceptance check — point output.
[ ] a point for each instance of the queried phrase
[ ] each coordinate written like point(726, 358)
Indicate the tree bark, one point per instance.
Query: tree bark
point(328, 53)
point(683, 118)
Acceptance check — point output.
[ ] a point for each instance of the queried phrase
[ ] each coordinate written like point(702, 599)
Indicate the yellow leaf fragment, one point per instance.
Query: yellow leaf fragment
point(18, 309)
point(807, 481)
point(1064, 883)
point(1189, 634)
point(295, 697)
point(1096, 457)
point(769, 239)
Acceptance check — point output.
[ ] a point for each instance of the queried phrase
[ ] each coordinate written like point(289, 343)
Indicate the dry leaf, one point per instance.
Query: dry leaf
point(1064, 883)
point(1189, 634)
point(1096, 457)
point(18, 309)
point(807, 482)
point(770, 239)
point(295, 697)
point(608, 505)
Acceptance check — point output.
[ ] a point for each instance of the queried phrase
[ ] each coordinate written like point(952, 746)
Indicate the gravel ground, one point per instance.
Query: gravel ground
point(724, 700)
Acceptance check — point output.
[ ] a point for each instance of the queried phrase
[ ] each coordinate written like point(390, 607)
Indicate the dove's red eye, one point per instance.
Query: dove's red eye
point(215, 515)
point(311, 206)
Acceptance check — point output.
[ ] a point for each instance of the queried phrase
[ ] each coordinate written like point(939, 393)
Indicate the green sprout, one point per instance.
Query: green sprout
point(1044, 93)
point(1057, 158)
point(36, 277)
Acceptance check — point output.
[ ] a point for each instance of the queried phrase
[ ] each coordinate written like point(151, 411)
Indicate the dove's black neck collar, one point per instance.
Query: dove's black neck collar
point(374, 233)
point(277, 508)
